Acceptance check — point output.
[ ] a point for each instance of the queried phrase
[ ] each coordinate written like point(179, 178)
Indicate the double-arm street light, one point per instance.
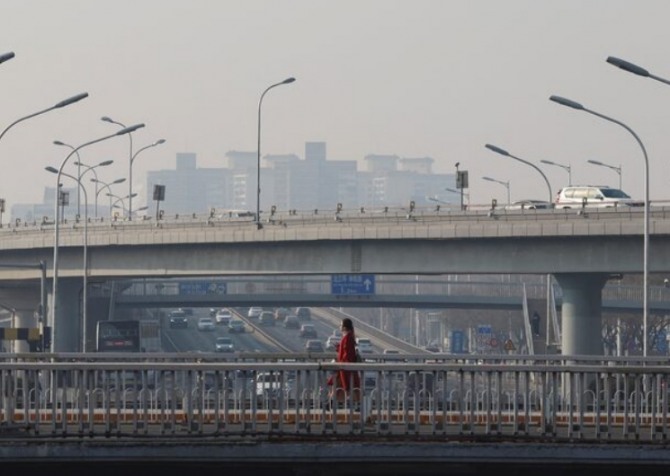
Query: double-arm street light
point(258, 162)
point(564, 167)
point(113, 205)
point(6, 56)
point(79, 165)
point(104, 185)
point(507, 154)
point(505, 184)
point(645, 305)
point(613, 167)
point(59, 105)
point(84, 294)
point(130, 175)
point(54, 292)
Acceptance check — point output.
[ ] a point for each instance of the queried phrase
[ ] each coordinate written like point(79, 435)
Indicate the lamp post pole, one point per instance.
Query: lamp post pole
point(461, 193)
point(505, 184)
point(645, 304)
point(84, 298)
point(130, 176)
point(105, 185)
point(258, 160)
point(59, 105)
point(54, 306)
point(616, 169)
point(565, 167)
point(507, 154)
point(130, 153)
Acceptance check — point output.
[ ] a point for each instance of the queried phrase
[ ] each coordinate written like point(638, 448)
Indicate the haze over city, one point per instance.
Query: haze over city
point(420, 78)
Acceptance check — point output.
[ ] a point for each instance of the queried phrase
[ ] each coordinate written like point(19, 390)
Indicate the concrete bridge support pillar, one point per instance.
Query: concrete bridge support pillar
point(581, 312)
point(23, 303)
point(66, 333)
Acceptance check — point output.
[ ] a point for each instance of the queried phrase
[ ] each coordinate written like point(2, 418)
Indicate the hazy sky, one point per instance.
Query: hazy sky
point(416, 78)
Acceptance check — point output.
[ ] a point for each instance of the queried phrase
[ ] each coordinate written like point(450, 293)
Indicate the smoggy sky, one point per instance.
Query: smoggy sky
point(415, 78)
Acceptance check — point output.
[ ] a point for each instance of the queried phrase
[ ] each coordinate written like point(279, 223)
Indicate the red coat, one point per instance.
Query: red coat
point(346, 352)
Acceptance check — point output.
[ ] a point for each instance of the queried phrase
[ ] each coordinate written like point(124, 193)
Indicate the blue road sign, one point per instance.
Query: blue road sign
point(202, 288)
point(352, 284)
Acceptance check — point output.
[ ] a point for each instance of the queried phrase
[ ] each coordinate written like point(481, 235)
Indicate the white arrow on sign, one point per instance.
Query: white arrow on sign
point(367, 284)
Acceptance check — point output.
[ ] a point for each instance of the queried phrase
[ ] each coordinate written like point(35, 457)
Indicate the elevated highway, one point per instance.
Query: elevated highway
point(581, 249)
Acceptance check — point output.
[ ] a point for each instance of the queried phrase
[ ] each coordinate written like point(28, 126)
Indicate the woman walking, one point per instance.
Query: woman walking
point(344, 381)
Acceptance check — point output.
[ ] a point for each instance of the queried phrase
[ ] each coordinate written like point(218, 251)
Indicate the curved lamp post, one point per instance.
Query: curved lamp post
point(505, 184)
point(130, 153)
point(54, 306)
point(635, 69)
point(616, 169)
point(564, 167)
point(130, 175)
point(84, 298)
point(258, 162)
point(6, 56)
point(507, 154)
point(57, 142)
point(113, 205)
point(461, 193)
point(59, 105)
point(104, 185)
point(645, 305)
point(91, 168)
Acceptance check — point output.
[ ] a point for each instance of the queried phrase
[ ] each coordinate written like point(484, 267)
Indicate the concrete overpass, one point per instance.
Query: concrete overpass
point(581, 250)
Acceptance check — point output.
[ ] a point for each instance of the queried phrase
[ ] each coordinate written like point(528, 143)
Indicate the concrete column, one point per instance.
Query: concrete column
point(581, 313)
point(66, 332)
point(24, 302)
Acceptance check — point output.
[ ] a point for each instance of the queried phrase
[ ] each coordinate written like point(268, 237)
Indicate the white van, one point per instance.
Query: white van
point(600, 196)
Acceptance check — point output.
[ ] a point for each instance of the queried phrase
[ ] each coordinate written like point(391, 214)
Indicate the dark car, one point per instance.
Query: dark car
point(308, 330)
point(178, 320)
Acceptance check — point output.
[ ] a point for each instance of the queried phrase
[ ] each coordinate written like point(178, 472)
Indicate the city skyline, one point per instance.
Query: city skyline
point(428, 78)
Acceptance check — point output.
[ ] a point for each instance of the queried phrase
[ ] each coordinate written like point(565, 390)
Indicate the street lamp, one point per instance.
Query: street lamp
point(59, 105)
point(507, 154)
point(54, 306)
point(645, 305)
point(118, 199)
point(461, 193)
point(505, 184)
point(130, 153)
point(258, 162)
point(91, 168)
point(632, 68)
point(613, 167)
point(57, 142)
point(6, 57)
point(130, 176)
point(105, 185)
point(565, 167)
point(85, 260)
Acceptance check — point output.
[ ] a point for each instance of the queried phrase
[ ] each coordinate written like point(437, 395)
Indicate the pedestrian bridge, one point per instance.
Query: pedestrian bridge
point(242, 407)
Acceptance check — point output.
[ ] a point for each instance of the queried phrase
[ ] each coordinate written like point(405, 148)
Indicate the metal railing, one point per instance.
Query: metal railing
point(545, 398)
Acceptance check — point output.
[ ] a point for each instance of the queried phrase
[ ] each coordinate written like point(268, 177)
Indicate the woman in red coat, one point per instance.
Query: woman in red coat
point(346, 352)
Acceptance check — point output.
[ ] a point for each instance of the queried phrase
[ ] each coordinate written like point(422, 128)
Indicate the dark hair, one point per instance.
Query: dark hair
point(348, 324)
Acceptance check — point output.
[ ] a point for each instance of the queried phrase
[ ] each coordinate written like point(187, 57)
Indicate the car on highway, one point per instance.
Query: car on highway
point(291, 322)
point(223, 316)
point(206, 324)
point(236, 325)
point(314, 345)
point(303, 313)
point(178, 320)
point(332, 342)
point(364, 345)
point(308, 330)
point(254, 312)
point(598, 196)
point(281, 313)
point(529, 204)
point(266, 318)
point(224, 344)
